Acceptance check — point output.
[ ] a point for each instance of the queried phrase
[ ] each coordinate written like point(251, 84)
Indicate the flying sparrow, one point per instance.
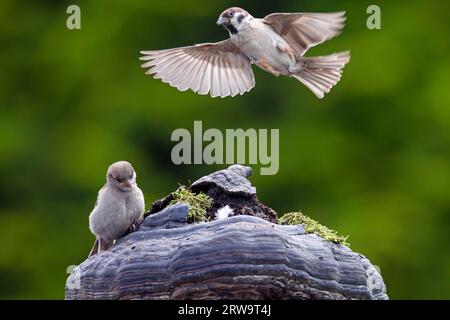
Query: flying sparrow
point(276, 44)
point(119, 208)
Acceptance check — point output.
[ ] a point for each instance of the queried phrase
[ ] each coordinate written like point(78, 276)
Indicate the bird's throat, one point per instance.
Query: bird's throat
point(230, 28)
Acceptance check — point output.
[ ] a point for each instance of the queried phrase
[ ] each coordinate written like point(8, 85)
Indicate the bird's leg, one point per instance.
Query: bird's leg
point(262, 63)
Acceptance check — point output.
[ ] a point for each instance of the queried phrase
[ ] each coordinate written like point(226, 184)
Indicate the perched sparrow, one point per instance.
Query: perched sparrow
point(119, 208)
point(276, 44)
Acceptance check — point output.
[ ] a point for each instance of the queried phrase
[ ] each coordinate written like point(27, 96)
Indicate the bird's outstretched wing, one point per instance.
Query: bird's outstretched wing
point(216, 68)
point(306, 30)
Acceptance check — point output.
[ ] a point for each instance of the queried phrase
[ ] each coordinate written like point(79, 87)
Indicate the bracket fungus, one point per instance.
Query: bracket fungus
point(243, 255)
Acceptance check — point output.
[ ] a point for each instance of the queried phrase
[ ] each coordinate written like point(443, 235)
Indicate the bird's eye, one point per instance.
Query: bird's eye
point(231, 14)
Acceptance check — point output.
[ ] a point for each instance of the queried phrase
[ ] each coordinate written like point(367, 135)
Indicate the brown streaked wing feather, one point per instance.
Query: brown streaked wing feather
point(306, 30)
point(232, 81)
point(219, 69)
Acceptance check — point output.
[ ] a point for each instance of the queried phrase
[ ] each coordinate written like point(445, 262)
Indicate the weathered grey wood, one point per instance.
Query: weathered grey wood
point(239, 257)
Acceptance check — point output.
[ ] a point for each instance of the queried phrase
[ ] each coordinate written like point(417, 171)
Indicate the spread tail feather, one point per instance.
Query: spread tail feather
point(320, 74)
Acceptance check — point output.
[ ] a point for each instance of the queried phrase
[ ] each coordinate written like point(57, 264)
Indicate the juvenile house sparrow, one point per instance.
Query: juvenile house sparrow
point(119, 208)
point(275, 43)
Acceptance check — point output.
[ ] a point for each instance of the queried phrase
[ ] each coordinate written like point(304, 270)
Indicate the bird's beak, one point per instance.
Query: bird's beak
point(127, 184)
point(220, 21)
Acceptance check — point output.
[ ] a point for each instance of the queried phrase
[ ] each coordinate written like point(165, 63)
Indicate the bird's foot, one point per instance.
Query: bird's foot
point(133, 228)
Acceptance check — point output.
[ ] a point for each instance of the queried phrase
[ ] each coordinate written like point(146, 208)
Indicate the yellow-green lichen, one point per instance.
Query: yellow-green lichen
point(312, 226)
point(198, 203)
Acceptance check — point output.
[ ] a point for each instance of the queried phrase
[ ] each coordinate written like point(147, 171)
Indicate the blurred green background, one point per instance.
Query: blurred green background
point(372, 160)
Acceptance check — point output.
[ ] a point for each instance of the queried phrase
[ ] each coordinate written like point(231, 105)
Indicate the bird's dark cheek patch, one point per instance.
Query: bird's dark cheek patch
point(231, 28)
point(241, 18)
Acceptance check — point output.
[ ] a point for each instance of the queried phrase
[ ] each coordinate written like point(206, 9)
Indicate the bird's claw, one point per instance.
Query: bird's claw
point(133, 228)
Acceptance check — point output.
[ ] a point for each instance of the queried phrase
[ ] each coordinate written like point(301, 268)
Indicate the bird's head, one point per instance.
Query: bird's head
point(121, 176)
point(234, 19)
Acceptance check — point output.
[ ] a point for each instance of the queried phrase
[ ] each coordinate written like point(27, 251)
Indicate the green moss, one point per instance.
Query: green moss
point(312, 226)
point(198, 203)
